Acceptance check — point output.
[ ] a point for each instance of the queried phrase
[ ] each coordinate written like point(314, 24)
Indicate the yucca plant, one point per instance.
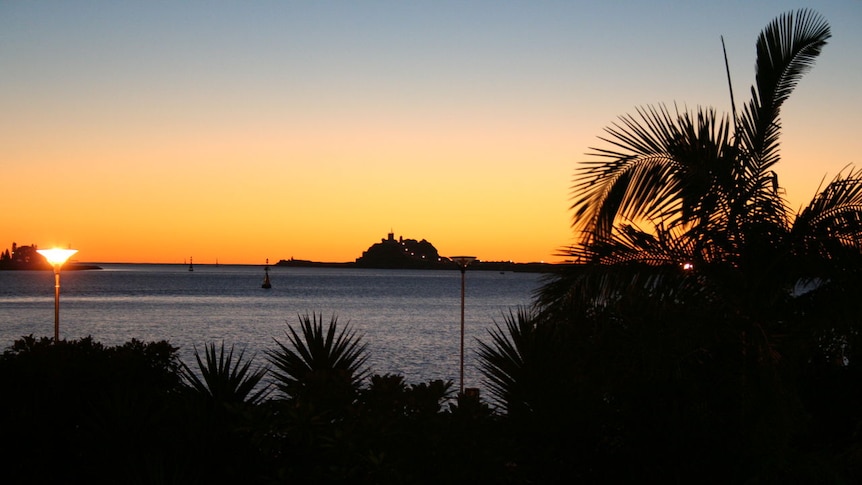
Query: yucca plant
point(317, 367)
point(226, 380)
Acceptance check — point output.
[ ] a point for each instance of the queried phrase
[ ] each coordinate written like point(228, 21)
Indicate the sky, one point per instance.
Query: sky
point(157, 131)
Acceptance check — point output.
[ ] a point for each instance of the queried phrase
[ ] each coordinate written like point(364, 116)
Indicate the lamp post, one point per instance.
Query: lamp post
point(57, 257)
point(462, 262)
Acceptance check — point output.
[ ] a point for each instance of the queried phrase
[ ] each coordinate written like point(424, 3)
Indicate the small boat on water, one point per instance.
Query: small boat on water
point(266, 283)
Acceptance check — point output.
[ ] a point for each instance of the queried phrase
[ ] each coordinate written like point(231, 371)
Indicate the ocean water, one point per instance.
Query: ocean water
point(409, 319)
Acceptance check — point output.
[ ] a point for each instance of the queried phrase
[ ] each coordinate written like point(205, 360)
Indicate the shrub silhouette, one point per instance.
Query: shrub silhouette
point(79, 410)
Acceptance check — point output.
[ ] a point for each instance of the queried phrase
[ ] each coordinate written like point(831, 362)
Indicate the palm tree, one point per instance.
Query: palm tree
point(705, 187)
point(701, 304)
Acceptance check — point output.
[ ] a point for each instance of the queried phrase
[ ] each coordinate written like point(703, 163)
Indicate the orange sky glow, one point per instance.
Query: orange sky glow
point(147, 133)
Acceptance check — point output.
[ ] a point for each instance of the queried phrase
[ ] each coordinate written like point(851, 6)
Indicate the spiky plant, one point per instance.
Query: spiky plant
point(322, 368)
point(503, 360)
point(524, 363)
point(226, 380)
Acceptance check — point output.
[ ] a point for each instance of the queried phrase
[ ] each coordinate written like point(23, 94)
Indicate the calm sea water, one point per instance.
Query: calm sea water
point(410, 319)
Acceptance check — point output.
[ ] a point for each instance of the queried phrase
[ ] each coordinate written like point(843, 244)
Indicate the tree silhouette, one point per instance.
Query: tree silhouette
point(703, 314)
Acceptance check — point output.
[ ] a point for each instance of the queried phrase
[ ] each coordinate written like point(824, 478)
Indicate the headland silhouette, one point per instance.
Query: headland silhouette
point(405, 253)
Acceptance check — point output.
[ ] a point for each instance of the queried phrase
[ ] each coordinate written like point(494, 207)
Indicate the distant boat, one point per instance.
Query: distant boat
point(266, 283)
point(191, 265)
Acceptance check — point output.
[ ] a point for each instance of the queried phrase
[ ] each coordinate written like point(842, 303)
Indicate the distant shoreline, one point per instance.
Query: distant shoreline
point(447, 265)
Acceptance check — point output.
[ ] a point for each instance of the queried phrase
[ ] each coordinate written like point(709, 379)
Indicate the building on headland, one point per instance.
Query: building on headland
point(23, 257)
point(400, 253)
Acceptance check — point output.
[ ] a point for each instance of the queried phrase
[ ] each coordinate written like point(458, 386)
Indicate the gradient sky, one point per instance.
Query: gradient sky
point(154, 131)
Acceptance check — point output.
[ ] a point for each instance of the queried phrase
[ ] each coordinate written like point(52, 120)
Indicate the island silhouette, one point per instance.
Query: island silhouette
point(406, 253)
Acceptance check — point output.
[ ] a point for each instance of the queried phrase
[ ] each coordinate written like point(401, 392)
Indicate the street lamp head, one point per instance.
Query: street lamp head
point(463, 261)
point(57, 256)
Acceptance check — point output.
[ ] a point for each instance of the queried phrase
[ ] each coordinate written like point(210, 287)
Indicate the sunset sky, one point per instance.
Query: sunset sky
point(155, 131)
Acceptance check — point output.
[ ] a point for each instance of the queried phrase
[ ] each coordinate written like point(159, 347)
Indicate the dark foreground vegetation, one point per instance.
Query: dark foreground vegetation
point(79, 412)
point(707, 336)
point(610, 411)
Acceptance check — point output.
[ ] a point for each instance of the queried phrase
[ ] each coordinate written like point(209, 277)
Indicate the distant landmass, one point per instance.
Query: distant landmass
point(400, 253)
point(389, 253)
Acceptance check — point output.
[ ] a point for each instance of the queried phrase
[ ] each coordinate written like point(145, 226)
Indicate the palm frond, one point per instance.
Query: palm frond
point(660, 167)
point(786, 50)
point(835, 213)
point(696, 169)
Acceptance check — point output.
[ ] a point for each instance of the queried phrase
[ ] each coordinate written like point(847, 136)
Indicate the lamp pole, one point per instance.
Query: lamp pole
point(57, 257)
point(462, 262)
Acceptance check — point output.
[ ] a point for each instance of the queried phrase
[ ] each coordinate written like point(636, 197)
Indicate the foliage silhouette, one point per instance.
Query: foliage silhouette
point(93, 411)
point(224, 380)
point(706, 188)
point(319, 368)
point(702, 314)
point(522, 362)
